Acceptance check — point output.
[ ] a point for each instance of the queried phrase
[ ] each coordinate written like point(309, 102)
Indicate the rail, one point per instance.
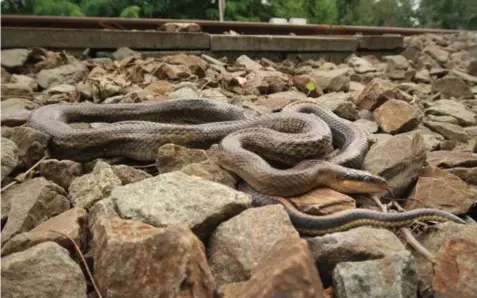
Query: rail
point(212, 27)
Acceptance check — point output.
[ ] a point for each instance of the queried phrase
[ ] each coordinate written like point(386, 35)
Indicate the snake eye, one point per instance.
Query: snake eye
point(367, 179)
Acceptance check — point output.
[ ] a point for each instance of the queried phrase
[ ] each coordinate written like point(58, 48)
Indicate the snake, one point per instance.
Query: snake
point(277, 155)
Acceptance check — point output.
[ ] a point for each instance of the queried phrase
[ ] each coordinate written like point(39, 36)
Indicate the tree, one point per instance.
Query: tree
point(448, 14)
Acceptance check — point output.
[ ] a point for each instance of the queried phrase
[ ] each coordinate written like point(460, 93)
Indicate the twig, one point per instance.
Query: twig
point(78, 250)
point(413, 241)
point(380, 205)
point(21, 177)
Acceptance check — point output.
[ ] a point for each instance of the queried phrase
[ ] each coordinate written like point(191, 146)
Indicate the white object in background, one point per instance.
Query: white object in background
point(278, 21)
point(297, 21)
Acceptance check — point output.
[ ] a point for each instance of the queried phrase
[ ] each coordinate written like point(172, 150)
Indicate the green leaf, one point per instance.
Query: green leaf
point(310, 86)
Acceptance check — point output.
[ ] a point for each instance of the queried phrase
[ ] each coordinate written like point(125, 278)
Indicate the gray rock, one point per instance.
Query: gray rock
point(133, 259)
point(88, 189)
point(447, 107)
point(171, 157)
point(9, 151)
point(184, 92)
point(355, 245)
point(32, 202)
point(63, 88)
point(14, 116)
point(452, 86)
point(248, 63)
point(437, 53)
point(464, 76)
point(12, 58)
point(332, 80)
point(124, 52)
point(72, 223)
point(44, 270)
point(239, 243)
point(449, 131)
point(66, 74)
point(472, 68)
point(393, 277)
point(15, 111)
point(447, 119)
point(398, 160)
point(361, 65)
point(341, 104)
point(31, 143)
point(422, 76)
point(211, 171)
point(279, 100)
point(179, 199)
point(396, 66)
point(368, 125)
point(62, 172)
point(129, 175)
point(431, 138)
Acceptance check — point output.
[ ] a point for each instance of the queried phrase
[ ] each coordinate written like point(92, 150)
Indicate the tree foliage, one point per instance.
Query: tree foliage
point(451, 14)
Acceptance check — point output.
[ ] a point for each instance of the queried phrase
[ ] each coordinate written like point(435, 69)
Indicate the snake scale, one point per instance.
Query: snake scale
point(277, 155)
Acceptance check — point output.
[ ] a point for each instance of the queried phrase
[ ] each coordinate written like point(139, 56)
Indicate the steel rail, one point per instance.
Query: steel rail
point(213, 27)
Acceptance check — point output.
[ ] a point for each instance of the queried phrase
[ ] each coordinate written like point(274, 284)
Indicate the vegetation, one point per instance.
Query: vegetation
point(449, 14)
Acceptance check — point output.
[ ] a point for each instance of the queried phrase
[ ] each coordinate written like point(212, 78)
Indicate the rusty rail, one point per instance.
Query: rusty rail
point(213, 27)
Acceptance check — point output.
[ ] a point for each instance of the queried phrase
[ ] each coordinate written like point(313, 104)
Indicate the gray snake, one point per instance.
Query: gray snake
point(301, 137)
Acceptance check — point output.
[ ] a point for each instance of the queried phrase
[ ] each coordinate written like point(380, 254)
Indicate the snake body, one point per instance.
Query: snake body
point(302, 136)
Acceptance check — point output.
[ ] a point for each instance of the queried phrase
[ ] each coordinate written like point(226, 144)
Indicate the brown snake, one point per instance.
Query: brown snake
point(301, 137)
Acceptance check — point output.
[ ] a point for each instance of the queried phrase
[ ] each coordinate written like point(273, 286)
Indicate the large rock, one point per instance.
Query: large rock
point(239, 243)
point(73, 223)
point(454, 274)
point(13, 58)
point(446, 159)
point(456, 269)
point(211, 171)
point(62, 172)
point(361, 65)
point(132, 259)
point(171, 157)
point(88, 189)
point(180, 200)
point(450, 131)
point(392, 276)
point(439, 189)
point(295, 275)
point(66, 74)
point(9, 151)
point(44, 270)
point(452, 86)
point(248, 63)
point(376, 93)
point(31, 143)
point(332, 80)
point(32, 202)
point(341, 104)
point(396, 116)
point(355, 245)
point(447, 107)
point(399, 160)
point(16, 111)
point(437, 53)
point(397, 65)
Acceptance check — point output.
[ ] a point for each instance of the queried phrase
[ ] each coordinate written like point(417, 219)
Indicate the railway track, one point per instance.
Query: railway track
point(211, 27)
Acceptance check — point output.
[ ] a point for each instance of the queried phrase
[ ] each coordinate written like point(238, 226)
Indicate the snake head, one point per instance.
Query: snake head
point(358, 181)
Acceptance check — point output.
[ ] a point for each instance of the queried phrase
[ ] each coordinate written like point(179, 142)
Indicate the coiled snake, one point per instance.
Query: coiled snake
point(301, 137)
